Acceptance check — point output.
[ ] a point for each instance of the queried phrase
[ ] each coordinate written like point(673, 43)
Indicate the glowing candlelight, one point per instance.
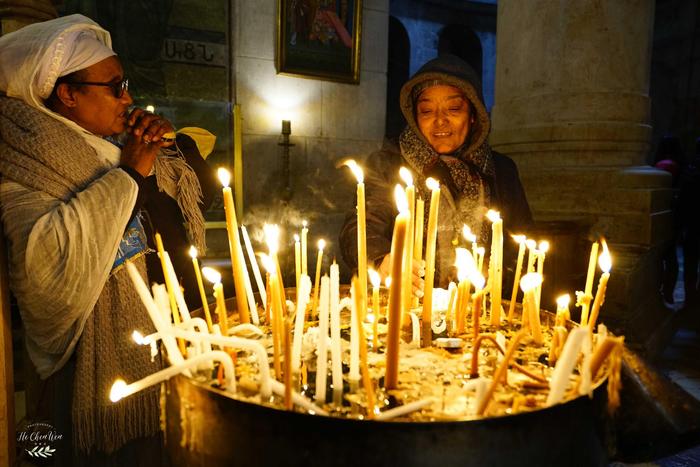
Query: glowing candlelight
point(588, 290)
point(465, 269)
point(213, 276)
point(361, 233)
point(529, 284)
point(478, 280)
point(542, 249)
point(235, 250)
point(398, 242)
point(531, 255)
point(520, 239)
point(200, 285)
point(605, 262)
point(471, 238)
point(563, 314)
point(319, 262)
point(430, 244)
point(496, 266)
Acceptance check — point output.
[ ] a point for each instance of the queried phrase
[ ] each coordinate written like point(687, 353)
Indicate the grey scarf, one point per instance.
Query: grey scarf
point(470, 176)
point(43, 154)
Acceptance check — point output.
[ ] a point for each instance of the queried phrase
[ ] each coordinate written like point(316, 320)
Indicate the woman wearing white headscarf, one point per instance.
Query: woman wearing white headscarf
point(68, 198)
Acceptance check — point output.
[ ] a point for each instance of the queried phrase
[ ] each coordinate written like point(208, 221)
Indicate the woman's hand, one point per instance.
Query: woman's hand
point(417, 281)
point(145, 131)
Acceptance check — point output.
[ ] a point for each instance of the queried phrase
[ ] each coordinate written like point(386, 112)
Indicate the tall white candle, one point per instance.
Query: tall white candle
point(256, 268)
point(565, 365)
point(322, 349)
point(336, 354)
point(497, 269)
point(302, 301)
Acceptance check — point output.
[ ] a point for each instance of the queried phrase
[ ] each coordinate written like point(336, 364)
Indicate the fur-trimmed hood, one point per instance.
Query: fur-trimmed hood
point(453, 71)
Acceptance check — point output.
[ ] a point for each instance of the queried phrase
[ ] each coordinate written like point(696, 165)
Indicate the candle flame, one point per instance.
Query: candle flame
point(138, 338)
point(304, 223)
point(530, 281)
point(464, 262)
point(467, 233)
point(356, 170)
point(370, 316)
point(268, 264)
point(211, 274)
point(321, 244)
point(193, 252)
point(387, 281)
point(272, 237)
point(432, 184)
point(224, 176)
point(563, 301)
point(605, 260)
point(481, 251)
point(296, 238)
point(374, 277)
point(544, 246)
point(493, 216)
point(519, 238)
point(118, 390)
point(406, 176)
point(401, 201)
point(477, 279)
point(531, 244)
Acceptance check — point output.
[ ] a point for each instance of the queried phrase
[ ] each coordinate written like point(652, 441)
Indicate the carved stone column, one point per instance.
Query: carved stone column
point(573, 110)
point(15, 14)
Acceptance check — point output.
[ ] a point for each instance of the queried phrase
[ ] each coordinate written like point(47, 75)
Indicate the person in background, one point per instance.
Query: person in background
point(70, 202)
point(446, 138)
point(669, 157)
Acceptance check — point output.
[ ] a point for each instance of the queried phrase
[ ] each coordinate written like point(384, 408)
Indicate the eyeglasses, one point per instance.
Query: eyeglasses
point(118, 88)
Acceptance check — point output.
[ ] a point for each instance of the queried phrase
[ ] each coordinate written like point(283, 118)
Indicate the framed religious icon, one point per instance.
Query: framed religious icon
point(319, 39)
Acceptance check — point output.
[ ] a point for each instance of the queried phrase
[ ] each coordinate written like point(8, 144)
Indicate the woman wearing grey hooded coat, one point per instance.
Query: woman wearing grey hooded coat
point(446, 139)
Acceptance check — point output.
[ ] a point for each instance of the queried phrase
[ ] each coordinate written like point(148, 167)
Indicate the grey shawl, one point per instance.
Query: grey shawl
point(64, 214)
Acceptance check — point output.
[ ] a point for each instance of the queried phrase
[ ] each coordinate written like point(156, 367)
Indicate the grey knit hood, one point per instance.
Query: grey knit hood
point(453, 71)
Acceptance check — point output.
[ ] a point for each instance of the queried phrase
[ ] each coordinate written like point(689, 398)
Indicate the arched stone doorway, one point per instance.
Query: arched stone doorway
point(397, 74)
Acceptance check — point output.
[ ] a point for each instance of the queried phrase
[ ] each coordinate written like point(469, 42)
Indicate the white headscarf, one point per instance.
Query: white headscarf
point(34, 57)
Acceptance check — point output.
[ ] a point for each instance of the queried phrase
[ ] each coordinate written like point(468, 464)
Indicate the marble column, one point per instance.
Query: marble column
point(15, 14)
point(572, 109)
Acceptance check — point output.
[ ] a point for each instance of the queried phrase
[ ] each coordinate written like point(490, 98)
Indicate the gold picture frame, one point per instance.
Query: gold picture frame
point(319, 39)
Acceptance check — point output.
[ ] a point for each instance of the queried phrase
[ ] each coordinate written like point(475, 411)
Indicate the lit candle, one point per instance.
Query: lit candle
point(304, 238)
point(361, 234)
point(297, 261)
point(213, 276)
point(529, 284)
point(336, 355)
point(162, 326)
point(563, 314)
point(354, 374)
point(376, 282)
point(275, 313)
point(465, 266)
point(471, 238)
point(302, 301)
point(202, 294)
point(322, 346)
point(588, 290)
point(169, 285)
point(407, 273)
point(256, 268)
point(391, 377)
point(497, 268)
point(478, 281)
point(319, 262)
point(541, 253)
point(234, 247)
point(362, 343)
point(605, 262)
point(430, 243)
point(518, 268)
point(480, 253)
point(531, 255)
point(120, 389)
point(418, 228)
point(177, 291)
